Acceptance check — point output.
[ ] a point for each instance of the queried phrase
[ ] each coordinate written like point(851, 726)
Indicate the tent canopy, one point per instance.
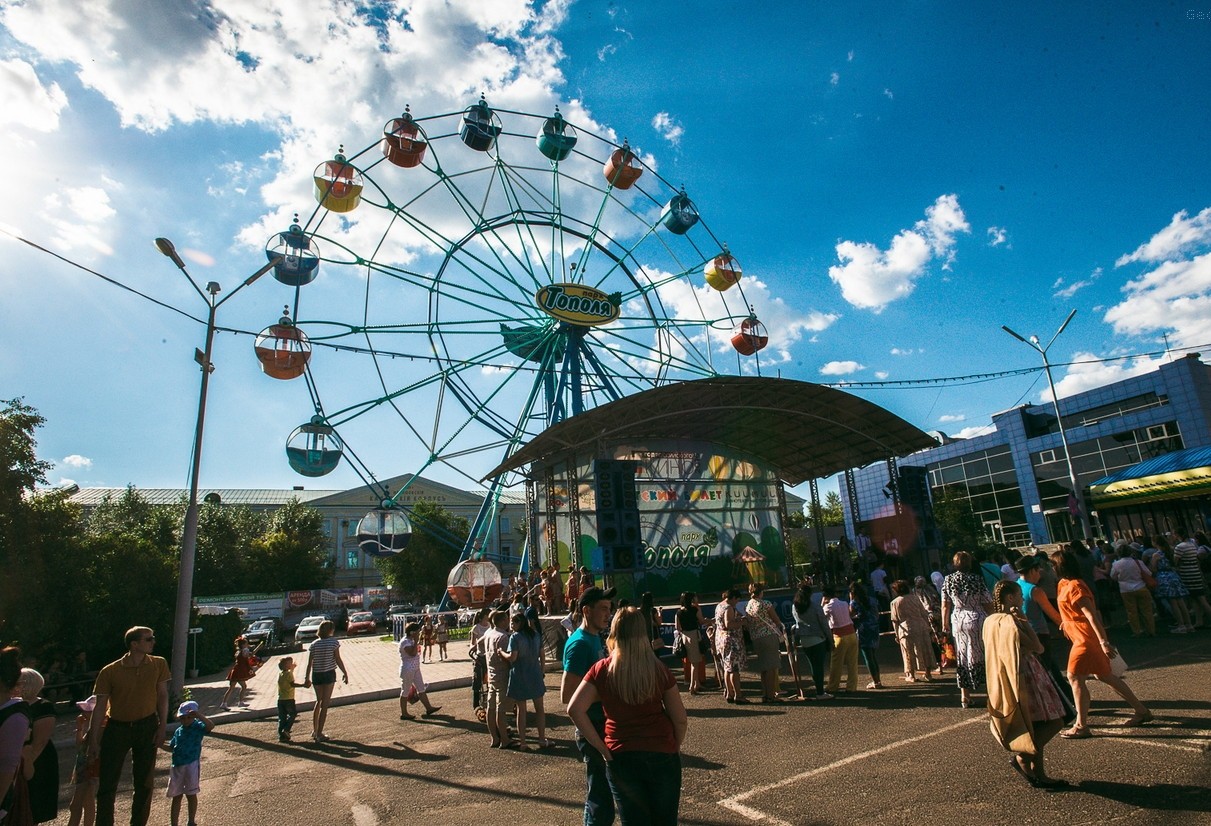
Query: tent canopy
point(801, 430)
point(1174, 475)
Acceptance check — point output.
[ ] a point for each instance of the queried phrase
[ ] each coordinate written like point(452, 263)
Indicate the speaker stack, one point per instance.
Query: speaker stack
point(617, 515)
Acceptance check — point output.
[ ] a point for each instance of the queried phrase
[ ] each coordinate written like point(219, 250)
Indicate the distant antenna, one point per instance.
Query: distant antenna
point(1169, 355)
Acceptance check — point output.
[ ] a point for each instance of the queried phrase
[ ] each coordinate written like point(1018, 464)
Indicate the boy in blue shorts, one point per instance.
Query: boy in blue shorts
point(184, 778)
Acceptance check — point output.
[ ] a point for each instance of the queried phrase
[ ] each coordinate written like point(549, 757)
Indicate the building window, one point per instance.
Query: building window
point(353, 559)
point(350, 527)
point(1046, 457)
point(505, 524)
point(506, 552)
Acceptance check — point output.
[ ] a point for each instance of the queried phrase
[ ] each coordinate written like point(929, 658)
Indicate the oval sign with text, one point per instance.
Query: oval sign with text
point(578, 304)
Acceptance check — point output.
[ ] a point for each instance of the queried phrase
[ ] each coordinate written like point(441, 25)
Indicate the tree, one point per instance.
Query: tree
point(831, 512)
point(293, 553)
point(420, 571)
point(957, 522)
point(227, 535)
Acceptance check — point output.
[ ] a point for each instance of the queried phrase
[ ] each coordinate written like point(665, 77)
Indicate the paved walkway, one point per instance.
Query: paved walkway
point(373, 675)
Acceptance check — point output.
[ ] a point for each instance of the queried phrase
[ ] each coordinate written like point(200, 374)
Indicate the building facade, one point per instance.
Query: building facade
point(343, 509)
point(1016, 476)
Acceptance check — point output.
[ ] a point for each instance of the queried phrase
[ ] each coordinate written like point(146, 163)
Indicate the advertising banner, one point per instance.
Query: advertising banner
point(708, 520)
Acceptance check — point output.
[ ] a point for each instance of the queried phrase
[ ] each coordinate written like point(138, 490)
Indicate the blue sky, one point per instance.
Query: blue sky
point(897, 183)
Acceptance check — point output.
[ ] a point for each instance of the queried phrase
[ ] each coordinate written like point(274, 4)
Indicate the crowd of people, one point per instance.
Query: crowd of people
point(996, 619)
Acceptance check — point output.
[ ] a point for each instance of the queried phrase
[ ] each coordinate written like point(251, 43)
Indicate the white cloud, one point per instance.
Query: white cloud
point(606, 51)
point(952, 417)
point(1094, 374)
point(77, 461)
point(1076, 286)
point(1174, 297)
point(24, 101)
point(901, 351)
point(1182, 233)
point(881, 374)
point(834, 79)
point(841, 368)
point(997, 236)
point(972, 432)
point(668, 127)
point(887, 93)
point(849, 56)
point(871, 278)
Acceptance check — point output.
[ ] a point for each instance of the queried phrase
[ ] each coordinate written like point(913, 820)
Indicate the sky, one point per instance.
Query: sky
point(898, 181)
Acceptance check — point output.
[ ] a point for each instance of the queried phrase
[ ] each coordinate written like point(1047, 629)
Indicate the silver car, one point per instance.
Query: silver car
point(308, 629)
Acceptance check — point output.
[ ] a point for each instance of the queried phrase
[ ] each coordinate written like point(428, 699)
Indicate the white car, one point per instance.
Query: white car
point(308, 629)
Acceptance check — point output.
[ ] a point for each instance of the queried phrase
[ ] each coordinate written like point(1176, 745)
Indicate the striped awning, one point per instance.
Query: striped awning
point(1176, 475)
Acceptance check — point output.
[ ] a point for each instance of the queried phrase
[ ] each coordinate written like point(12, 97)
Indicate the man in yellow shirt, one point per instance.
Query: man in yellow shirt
point(132, 692)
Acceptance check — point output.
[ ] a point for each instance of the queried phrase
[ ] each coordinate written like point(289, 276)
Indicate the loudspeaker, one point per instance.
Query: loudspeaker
point(617, 513)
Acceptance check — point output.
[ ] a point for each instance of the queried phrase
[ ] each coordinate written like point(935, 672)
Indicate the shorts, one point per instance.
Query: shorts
point(407, 681)
point(323, 677)
point(185, 779)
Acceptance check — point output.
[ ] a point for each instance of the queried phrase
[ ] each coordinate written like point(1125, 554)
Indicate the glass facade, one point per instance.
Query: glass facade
point(987, 480)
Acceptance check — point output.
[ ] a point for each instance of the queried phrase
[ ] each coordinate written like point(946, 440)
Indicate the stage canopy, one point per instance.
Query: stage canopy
point(801, 430)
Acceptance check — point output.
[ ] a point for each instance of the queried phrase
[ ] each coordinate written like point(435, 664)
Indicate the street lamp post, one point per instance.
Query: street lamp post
point(1033, 342)
point(189, 539)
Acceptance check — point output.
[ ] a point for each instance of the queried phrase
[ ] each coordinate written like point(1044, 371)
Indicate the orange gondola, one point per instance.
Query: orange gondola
point(474, 583)
point(621, 170)
point(403, 141)
point(750, 336)
point(283, 350)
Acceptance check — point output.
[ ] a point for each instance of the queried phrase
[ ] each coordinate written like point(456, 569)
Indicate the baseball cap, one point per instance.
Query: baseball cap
point(187, 707)
point(594, 595)
point(87, 705)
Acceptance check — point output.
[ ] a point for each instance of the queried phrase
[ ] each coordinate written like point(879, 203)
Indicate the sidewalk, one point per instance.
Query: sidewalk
point(373, 675)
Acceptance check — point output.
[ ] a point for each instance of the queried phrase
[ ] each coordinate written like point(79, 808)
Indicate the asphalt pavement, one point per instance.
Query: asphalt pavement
point(905, 754)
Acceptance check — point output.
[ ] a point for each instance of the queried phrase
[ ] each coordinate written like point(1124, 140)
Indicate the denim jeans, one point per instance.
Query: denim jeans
point(599, 799)
point(647, 786)
point(117, 739)
point(287, 713)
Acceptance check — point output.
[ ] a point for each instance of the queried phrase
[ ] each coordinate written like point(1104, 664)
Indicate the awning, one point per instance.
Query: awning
point(1175, 475)
point(800, 430)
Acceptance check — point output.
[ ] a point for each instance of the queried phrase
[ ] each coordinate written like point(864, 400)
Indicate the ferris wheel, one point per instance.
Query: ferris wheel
point(520, 272)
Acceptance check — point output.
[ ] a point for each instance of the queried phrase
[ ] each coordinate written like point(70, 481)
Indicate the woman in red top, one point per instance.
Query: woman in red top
point(645, 724)
point(1091, 647)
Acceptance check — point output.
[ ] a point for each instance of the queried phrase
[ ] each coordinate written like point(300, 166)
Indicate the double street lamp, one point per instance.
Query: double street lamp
point(1033, 342)
point(189, 540)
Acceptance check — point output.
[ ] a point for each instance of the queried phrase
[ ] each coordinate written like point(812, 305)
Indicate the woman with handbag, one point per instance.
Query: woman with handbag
point(689, 621)
point(767, 633)
point(1091, 647)
point(1134, 590)
point(1024, 708)
point(1171, 592)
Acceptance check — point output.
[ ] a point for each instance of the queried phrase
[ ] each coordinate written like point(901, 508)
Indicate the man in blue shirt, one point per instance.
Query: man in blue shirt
point(584, 648)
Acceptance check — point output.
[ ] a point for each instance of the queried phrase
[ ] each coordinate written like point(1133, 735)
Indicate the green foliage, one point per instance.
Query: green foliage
point(293, 554)
point(216, 651)
point(830, 513)
point(419, 573)
point(957, 522)
point(226, 539)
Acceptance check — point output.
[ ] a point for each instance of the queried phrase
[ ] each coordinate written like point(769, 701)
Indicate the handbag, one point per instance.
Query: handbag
point(1146, 575)
point(1118, 666)
point(679, 647)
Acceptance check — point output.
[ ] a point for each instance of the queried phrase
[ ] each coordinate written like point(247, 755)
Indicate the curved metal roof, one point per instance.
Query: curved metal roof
point(801, 430)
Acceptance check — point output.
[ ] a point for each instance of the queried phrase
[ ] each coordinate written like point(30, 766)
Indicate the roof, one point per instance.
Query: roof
point(91, 497)
point(1173, 475)
point(801, 430)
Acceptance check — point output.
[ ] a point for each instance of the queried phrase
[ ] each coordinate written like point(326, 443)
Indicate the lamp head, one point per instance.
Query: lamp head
point(167, 248)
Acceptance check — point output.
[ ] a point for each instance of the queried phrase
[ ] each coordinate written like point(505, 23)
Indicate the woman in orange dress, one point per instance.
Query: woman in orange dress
point(1091, 647)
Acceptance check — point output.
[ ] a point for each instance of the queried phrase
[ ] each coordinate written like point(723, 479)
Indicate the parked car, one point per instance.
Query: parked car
point(401, 609)
point(309, 629)
point(266, 634)
point(361, 622)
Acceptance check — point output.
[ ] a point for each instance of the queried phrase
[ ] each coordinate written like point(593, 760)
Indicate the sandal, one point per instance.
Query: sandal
point(1139, 719)
point(1076, 733)
point(432, 711)
point(545, 743)
point(1017, 767)
point(513, 745)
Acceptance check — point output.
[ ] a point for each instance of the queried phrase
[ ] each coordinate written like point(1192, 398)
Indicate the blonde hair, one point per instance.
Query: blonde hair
point(634, 669)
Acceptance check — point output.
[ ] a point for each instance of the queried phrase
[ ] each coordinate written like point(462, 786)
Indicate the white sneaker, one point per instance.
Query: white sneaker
point(824, 696)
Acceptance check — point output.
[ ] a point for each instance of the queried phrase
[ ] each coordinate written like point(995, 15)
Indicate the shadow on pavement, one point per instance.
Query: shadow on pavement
point(1162, 796)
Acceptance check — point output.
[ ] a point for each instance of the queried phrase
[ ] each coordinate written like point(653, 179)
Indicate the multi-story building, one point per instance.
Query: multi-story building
point(342, 509)
point(1016, 475)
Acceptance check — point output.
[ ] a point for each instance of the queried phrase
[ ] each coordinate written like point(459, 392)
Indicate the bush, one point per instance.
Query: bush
point(216, 643)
